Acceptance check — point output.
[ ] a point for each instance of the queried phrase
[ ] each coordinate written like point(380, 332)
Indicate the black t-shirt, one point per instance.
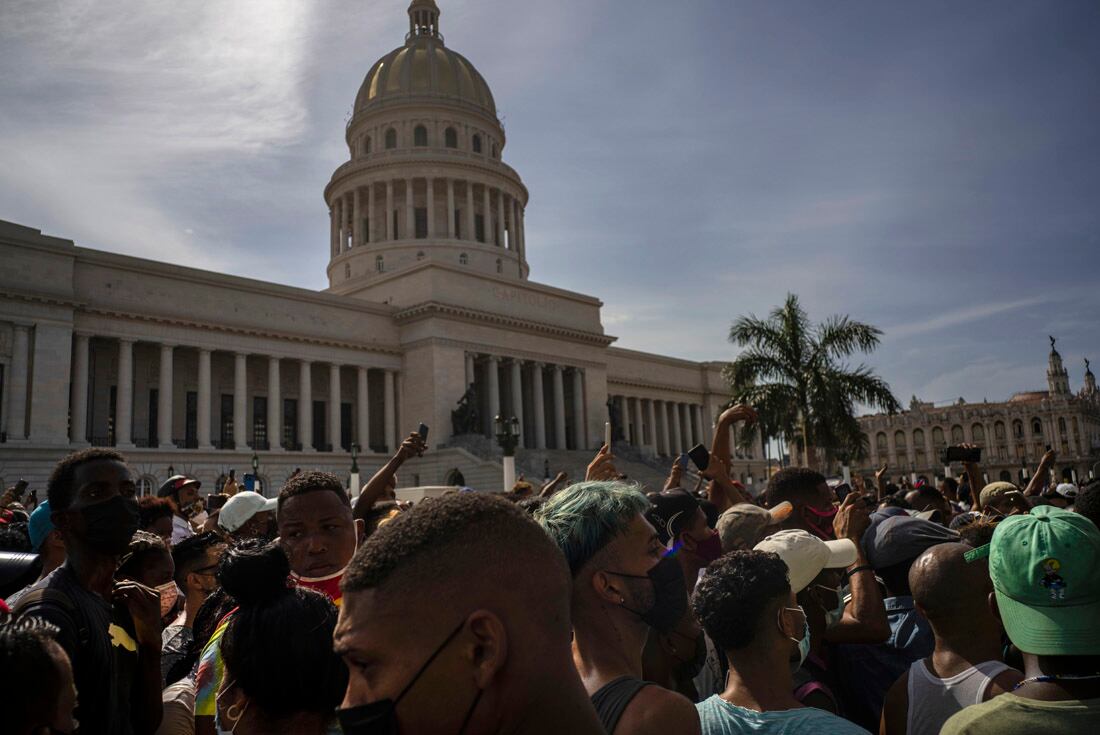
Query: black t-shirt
point(100, 642)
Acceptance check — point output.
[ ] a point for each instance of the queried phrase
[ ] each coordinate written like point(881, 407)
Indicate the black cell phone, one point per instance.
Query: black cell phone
point(422, 430)
point(842, 491)
point(683, 461)
point(21, 487)
point(700, 456)
point(961, 454)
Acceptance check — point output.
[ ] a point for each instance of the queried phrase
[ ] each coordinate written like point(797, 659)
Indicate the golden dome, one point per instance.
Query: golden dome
point(424, 69)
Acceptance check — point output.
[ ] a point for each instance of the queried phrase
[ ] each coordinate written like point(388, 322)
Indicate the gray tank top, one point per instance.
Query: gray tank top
point(933, 700)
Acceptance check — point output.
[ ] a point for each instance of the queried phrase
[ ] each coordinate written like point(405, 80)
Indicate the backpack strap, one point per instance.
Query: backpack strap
point(49, 595)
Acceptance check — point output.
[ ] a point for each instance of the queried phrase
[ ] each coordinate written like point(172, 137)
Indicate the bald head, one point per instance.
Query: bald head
point(946, 587)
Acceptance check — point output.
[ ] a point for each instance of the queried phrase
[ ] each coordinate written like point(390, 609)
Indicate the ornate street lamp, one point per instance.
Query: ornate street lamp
point(507, 433)
point(171, 470)
point(354, 478)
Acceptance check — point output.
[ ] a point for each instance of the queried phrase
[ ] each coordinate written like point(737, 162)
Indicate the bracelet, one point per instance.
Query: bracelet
point(862, 568)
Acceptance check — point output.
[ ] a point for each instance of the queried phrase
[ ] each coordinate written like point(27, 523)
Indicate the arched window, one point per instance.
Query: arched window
point(1062, 424)
point(477, 143)
point(999, 431)
point(918, 439)
point(880, 442)
point(899, 443)
point(450, 138)
point(391, 139)
point(500, 265)
point(420, 136)
point(1018, 429)
point(463, 259)
point(937, 436)
point(1036, 427)
point(146, 485)
point(379, 263)
point(366, 145)
point(957, 434)
point(978, 432)
point(1006, 476)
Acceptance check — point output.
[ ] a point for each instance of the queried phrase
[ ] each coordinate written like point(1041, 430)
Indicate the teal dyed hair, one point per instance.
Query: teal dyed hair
point(585, 517)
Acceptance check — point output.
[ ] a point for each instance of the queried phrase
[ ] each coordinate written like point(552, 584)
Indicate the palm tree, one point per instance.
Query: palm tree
point(794, 373)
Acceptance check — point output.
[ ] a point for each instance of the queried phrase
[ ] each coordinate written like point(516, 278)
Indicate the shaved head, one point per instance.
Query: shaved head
point(948, 588)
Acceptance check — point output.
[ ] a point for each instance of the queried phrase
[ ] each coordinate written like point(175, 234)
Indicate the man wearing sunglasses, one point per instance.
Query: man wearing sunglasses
point(196, 560)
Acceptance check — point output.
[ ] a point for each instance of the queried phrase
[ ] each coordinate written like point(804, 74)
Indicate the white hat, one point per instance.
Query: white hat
point(1067, 490)
point(806, 555)
point(242, 506)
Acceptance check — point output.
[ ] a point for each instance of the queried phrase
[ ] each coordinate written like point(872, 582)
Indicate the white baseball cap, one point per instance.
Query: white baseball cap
point(242, 506)
point(806, 555)
point(1067, 490)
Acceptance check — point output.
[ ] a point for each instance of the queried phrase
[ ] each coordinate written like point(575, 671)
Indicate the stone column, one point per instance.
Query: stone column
point(357, 218)
point(429, 189)
point(305, 405)
point(388, 413)
point(651, 421)
point(488, 216)
point(333, 236)
point(124, 395)
point(500, 217)
point(202, 414)
point(372, 224)
point(471, 231)
point(697, 423)
point(685, 427)
point(334, 405)
point(517, 397)
point(451, 209)
point(522, 235)
point(341, 228)
point(492, 365)
point(17, 387)
point(410, 215)
point(538, 402)
point(78, 391)
point(240, 401)
point(662, 427)
point(559, 409)
point(362, 396)
point(639, 428)
point(274, 406)
point(893, 447)
point(471, 376)
point(624, 417)
point(165, 395)
point(677, 445)
point(580, 438)
point(389, 210)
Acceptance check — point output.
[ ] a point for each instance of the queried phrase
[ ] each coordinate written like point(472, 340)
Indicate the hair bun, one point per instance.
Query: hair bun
point(254, 572)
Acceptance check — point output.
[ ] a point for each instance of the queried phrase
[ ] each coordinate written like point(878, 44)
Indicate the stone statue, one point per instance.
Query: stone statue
point(616, 421)
point(1052, 341)
point(1087, 368)
point(464, 419)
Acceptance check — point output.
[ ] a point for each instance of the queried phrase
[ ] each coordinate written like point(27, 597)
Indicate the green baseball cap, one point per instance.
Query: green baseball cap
point(1045, 568)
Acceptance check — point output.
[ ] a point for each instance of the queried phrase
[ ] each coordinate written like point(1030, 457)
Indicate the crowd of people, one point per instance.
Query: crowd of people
point(593, 607)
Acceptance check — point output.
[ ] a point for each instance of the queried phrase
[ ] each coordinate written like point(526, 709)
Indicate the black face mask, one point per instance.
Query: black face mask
point(380, 717)
point(109, 526)
point(669, 595)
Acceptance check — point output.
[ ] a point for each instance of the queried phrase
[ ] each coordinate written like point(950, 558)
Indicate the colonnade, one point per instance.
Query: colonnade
point(664, 427)
point(355, 222)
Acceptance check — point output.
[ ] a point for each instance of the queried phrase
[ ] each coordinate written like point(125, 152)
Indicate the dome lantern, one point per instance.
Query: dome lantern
point(424, 19)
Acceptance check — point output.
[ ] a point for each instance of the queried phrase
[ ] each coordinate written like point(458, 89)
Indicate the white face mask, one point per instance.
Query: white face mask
point(169, 592)
point(832, 617)
point(233, 713)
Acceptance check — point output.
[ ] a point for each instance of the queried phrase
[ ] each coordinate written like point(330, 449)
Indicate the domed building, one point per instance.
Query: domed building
point(430, 317)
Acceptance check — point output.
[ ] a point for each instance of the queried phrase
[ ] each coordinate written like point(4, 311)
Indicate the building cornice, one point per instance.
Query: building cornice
point(646, 385)
point(418, 165)
point(630, 354)
point(510, 353)
point(433, 309)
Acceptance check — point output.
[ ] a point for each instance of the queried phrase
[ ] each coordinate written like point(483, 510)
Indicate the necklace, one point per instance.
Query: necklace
point(1046, 678)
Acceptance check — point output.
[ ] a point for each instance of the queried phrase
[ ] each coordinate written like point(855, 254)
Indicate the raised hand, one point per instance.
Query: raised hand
point(144, 606)
point(852, 519)
point(602, 466)
point(740, 412)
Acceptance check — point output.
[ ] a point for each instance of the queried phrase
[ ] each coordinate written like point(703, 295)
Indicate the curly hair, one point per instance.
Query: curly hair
point(151, 509)
point(1088, 502)
point(29, 675)
point(736, 592)
point(312, 481)
point(59, 488)
point(143, 545)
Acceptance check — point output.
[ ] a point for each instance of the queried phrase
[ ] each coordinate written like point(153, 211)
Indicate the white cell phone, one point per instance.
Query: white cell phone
point(607, 434)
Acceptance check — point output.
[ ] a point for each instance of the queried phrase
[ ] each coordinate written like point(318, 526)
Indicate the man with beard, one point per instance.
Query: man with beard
point(110, 630)
point(182, 492)
point(623, 583)
point(248, 515)
point(196, 563)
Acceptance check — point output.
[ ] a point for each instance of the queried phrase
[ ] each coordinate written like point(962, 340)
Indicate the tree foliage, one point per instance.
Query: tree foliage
point(793, 369)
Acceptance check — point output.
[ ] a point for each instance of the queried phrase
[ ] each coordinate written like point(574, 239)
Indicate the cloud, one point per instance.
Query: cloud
point(960, 316)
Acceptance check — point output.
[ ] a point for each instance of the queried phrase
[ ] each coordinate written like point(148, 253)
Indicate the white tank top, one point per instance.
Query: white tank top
point(933, 700)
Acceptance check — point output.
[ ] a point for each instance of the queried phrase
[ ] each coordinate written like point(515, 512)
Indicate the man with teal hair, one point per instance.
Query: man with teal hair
point(1045, 568)
point(623, 583)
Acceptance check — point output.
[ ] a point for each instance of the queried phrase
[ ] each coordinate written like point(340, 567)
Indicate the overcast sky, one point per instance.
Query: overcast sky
point(932, 168)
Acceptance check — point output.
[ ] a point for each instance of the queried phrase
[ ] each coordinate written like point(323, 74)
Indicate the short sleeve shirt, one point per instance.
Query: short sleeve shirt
point(719, 717)
point(1012, 715)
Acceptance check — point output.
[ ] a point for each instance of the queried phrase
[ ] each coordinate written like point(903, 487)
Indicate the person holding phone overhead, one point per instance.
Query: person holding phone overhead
point(381, 486)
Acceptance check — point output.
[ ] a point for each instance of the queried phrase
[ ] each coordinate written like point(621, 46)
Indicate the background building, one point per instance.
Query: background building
point(429, 302)
point(1013, 434)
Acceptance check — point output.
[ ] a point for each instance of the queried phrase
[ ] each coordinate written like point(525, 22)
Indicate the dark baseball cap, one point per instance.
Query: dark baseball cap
point(175, 483)
point(671, 511)
point(892, 539)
